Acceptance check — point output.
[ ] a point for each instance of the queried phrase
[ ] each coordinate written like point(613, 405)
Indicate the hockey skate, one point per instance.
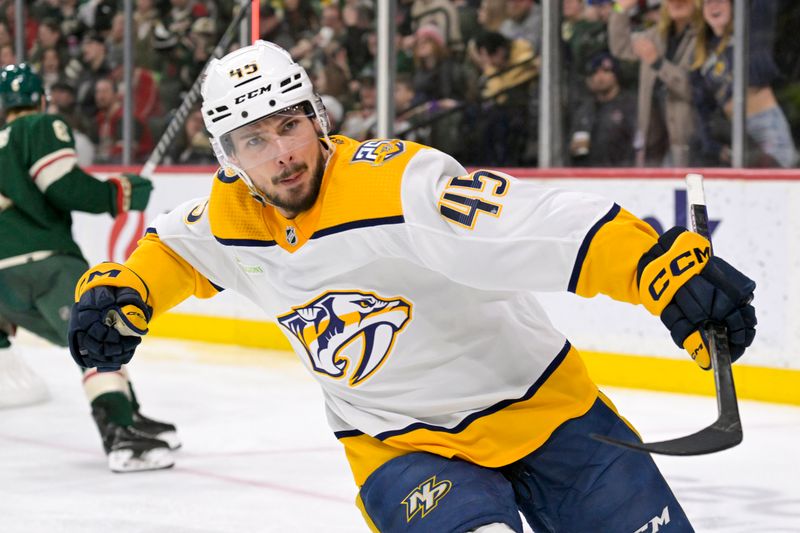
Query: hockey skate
point(19, 385)
point(130, 449)
point(158, 430)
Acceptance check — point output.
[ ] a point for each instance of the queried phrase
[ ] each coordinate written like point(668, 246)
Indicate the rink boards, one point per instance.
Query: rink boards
point(756, 228)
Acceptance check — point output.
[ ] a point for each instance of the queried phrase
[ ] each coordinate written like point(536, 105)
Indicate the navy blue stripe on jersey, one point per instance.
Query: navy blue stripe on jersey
point(358, 224)
point(584, 249)
point(348, 433)
point(245, 242)
point(555, 363)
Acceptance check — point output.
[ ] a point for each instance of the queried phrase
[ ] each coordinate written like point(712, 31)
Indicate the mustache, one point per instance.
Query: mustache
point(294, 169)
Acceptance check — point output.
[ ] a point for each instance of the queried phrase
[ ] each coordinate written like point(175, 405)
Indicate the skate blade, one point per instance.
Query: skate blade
point(124, 461)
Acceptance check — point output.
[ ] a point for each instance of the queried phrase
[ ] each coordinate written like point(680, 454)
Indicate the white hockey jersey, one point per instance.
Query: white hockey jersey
point(407, 293)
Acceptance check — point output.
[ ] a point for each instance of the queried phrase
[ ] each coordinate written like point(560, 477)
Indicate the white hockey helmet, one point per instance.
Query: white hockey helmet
point(248, 85)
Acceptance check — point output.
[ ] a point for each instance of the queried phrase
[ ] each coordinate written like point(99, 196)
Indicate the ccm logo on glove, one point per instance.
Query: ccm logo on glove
point(668, 264)
point(678, 266)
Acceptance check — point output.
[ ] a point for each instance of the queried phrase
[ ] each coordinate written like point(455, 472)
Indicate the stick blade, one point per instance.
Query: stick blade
point(720, 435)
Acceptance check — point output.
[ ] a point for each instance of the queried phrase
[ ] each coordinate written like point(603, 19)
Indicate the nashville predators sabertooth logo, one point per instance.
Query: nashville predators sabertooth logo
point(343, 329)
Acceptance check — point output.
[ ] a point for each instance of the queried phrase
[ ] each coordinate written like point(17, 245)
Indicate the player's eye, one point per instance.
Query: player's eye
point(255, 142)
point(290, 125)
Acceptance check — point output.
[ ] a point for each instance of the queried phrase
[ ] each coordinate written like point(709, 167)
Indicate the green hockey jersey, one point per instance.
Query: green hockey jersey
point(40, 184)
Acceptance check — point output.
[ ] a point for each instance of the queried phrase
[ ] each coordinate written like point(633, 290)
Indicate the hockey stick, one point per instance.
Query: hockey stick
point(178, 119)
point(726, 431)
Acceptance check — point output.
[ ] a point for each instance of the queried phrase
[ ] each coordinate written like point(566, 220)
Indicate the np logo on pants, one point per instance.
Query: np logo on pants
point(425, 497)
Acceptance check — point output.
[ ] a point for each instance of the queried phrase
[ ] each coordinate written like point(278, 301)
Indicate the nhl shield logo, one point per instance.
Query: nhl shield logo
point(291, 235)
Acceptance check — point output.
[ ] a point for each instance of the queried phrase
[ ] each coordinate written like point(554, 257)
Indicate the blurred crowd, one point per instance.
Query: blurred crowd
point(644, 82)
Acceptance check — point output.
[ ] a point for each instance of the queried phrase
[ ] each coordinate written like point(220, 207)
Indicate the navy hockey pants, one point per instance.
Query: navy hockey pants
point(572, 483)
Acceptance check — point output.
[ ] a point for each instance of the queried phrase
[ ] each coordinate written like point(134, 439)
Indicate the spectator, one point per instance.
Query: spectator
point(361, 120)
point(508, 71)
point(83, 74)
point(193, 147)
point(444, 15)
point(665, 111)
point(583, 39)
point(62, 102)
point(491, 14)
point(600, 10)
point(146, 19)
point(146, 104)
point(108, 121)
point(48, 37)
point(436, 75)
point(712, 83)
point(51, 69)
point(524, 21)
point(108, 127)
point(332, 74)
point(603, 127)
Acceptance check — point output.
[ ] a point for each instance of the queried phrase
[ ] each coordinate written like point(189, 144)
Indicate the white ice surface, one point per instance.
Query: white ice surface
point(258, 456)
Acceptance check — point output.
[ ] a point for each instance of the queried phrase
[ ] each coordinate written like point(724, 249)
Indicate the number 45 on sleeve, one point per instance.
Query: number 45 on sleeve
point(465, 197)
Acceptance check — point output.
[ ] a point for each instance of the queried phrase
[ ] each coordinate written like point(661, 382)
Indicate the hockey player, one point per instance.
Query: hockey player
point(40, 184)
point(404, 284)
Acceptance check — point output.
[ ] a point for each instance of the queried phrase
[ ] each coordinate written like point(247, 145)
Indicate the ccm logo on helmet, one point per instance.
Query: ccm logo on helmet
point(678, 266)
point(252, 94)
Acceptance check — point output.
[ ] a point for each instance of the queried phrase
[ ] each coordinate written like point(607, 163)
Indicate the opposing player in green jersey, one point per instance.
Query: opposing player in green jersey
point(40, 184)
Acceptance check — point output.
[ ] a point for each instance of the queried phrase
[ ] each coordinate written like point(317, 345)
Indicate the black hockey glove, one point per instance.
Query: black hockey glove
point(681, 282)
point(106, 326)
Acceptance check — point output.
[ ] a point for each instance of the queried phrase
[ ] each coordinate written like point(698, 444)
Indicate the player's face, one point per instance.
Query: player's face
point(283, 156)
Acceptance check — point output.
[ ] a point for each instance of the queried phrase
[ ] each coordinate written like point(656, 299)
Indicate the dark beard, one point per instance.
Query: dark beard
point(298, 204)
